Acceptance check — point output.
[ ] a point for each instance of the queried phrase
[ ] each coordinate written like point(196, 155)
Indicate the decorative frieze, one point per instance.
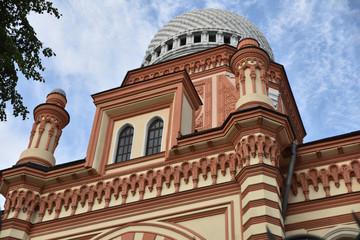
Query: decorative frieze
point(324, 176)
point(120, 187)
point(258, 148)
point(193, 65)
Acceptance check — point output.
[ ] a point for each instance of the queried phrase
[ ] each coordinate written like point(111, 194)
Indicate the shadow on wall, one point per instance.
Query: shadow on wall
point(309, 236)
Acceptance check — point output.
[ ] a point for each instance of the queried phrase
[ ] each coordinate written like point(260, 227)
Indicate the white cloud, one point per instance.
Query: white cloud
point(318, 44)
point(98, 42)
point(14, 140)
point(95, 46)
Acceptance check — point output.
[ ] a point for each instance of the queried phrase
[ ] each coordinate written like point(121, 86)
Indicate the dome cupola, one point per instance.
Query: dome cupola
point(199, 30)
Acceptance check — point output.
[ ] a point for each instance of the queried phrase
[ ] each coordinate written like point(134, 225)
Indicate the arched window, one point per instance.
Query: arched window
point(155, 130)
point(124, 144)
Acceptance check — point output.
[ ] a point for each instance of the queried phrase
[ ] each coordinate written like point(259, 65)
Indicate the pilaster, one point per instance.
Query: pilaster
point(261, 182)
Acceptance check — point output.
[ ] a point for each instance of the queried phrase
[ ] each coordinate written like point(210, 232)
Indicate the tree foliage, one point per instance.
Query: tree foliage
point(20, 50)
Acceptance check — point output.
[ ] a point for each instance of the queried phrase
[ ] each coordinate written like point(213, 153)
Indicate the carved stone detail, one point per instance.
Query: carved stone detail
point(333, 173)
point(29, 201)
point(196, 65)
point(199, 118)
point(258, 146)
point(204, 114)
point(227, 98)
point(199, 122)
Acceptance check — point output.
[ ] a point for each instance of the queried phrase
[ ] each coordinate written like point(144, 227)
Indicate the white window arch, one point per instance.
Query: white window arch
point(124, 143)
point(154, 130)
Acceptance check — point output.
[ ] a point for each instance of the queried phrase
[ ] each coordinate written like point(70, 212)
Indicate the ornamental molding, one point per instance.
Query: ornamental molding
point(248, 62)
point(227, 96)
point(203, 116)
point(334, 172)
point(259, 147)
point(57, 113)
point(193, 64)
point(249, 55)
point(31, 202)
point(55, 124)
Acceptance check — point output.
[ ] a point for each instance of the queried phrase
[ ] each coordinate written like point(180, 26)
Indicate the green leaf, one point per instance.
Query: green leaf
point(20, 50)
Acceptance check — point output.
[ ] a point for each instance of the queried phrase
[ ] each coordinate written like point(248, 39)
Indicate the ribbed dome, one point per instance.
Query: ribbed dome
point(198, 30)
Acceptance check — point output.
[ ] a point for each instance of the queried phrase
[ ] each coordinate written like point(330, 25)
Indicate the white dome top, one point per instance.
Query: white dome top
point(199, 30)
point(58, 90)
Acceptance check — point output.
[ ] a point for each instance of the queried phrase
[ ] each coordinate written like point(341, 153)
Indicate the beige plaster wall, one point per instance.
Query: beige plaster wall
point(140, 123)
point(250, 95)
point(44, 137)
point(261, 228)
point(324, 213)
point(212, 227)
point(36, 136)
point(186, 117)
point(248, 83)
point(206, 224)
point(135, 165)
point(100, 142)
point(14, 233)
point(330, 232)
point(40, 153)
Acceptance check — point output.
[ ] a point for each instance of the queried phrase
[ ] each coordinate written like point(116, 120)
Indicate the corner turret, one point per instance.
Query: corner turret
point(250, 64)
point(50, 118)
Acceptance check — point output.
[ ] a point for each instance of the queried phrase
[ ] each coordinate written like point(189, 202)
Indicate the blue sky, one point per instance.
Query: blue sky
point(318, 42)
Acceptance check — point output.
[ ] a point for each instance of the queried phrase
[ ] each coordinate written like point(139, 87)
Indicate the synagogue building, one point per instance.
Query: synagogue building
point(203, 141)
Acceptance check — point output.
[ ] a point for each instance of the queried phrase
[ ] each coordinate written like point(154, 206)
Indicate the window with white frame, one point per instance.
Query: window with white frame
point(124, 147)
point(154, 137)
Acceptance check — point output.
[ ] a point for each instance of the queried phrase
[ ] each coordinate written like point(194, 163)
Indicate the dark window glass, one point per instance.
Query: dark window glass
point(182, 41)
point(158, 51)
point(169, 45)
point(227, 39)
point(197, 38)
point(212, 37)
point(124, 144)
point(154, 137)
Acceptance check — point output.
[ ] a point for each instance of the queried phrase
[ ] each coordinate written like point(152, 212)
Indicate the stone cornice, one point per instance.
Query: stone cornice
point(193, 64)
